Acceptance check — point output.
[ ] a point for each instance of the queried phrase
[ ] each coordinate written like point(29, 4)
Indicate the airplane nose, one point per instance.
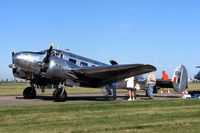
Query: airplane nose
point(26, 61)
point(16, 58)
point(20, 59)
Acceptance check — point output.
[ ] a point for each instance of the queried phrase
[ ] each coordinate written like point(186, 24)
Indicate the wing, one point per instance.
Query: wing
point(103, 75)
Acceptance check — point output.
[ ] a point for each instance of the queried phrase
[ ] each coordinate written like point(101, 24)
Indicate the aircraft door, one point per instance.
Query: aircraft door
point(180, 79)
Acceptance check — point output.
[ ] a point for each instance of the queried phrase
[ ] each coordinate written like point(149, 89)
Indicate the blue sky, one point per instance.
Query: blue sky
point(164, 33)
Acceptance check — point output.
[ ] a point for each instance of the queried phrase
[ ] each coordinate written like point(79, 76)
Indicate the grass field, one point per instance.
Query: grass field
point(16, 89)
point(181, 115)
point(103, 116)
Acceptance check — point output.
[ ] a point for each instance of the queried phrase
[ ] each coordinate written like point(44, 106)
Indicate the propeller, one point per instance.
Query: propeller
point(14, 68)
point(13, 53)
point(13, 64)
point(44, 63)
point(46, 59)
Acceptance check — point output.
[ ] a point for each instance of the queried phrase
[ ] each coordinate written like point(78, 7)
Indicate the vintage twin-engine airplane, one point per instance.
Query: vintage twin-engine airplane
point(65, 68)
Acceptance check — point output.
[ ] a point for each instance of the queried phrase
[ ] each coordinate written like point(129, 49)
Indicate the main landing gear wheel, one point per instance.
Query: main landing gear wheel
point(29, 93)
point(60, 95)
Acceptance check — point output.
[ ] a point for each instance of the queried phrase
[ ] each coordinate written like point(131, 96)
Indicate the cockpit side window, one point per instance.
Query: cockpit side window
point(52, 53)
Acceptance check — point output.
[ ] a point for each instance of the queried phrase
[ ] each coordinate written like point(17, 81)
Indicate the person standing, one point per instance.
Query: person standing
point(108, 90)
point(165, 78)
point(112, 87)
point(114, 90)
point(151, 81)
point(130, 87)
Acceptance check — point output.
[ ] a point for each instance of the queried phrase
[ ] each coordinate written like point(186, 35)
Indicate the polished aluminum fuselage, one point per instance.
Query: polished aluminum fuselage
point(28, 65)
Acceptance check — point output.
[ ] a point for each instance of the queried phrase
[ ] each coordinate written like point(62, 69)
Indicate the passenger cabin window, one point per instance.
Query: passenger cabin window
point(83, 64)
point(72, 60)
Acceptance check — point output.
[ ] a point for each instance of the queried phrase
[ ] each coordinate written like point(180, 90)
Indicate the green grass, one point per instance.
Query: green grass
point(16, 89)
point(181, 115)
point(103, 116)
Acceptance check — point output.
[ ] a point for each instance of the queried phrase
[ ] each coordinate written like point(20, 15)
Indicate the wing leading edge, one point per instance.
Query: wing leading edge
point(103, 75)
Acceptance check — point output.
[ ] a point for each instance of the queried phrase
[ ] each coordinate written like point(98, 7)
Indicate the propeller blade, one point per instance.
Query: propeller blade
point(13, 66)
point(13, 53)
point(46, 59)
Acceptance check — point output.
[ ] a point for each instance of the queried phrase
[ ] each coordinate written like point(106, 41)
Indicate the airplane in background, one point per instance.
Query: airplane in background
point(65, 68)
point(197, 76)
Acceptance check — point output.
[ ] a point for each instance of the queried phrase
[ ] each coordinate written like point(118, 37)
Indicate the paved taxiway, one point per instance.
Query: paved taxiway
point(19, 100)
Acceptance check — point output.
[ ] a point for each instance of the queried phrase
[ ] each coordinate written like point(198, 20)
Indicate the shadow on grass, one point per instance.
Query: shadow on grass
point(78, 98)
point(85, 97)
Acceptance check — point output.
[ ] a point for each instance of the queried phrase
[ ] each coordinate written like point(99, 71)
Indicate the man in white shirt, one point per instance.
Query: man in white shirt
point(151, 81)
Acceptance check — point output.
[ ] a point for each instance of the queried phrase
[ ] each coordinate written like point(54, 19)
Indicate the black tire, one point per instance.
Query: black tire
point(29, 93)
point(58, 97)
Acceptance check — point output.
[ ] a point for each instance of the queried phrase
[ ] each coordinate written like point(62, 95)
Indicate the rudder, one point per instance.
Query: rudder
point(180, 79)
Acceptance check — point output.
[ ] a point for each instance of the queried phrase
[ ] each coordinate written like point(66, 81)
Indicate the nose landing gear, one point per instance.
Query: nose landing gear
point(29, 93)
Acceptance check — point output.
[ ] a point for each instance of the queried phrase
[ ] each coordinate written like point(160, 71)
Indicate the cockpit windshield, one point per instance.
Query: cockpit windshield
point(57, 54)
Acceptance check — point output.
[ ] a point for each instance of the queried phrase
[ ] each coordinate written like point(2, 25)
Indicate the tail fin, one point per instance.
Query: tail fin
point(180, 79)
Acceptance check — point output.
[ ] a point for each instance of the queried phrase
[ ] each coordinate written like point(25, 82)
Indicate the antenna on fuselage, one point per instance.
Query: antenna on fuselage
point(68, 50)
point(52, 44)
point(58, 46)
